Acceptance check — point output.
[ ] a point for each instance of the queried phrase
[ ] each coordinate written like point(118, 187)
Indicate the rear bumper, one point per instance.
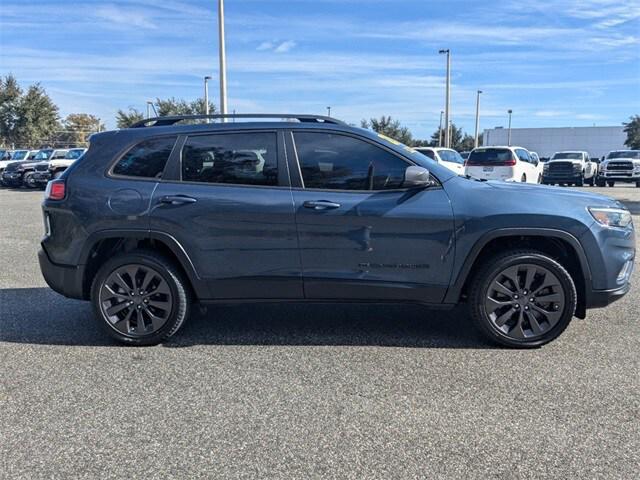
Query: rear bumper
point(602, 298)
point(66, 280)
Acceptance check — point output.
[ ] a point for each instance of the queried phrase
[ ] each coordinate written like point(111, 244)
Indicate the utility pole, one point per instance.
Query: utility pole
point(509, 133)
point(440, 129)
point(223, 60)
point(206, 96)
point(328, 111)
point(447, 103)
point(475, 141)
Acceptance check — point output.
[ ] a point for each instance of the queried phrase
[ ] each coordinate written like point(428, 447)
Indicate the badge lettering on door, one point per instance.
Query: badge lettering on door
point(394, 265)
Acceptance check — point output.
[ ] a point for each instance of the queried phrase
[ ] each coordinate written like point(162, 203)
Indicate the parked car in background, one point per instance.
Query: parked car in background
point(45, 171)
point(620, 166)
point(446, 156)
point(41, 160)
point(9, 175)
point(512, 164)
point(5, 154)
point(570, 168)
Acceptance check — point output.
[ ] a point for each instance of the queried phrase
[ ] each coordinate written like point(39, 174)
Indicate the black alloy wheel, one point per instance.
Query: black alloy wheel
point(522, 299)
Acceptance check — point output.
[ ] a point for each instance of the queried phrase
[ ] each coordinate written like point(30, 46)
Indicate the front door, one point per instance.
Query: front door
point(362, 234)
point(228, 203)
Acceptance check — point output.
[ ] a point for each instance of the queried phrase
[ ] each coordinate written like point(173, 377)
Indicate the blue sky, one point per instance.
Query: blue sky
point(555, 63)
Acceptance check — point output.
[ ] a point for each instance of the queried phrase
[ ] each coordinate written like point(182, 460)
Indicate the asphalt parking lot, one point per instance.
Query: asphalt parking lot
point(306, 391)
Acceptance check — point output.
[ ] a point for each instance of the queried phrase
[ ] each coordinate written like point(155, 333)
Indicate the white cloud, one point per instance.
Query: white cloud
point(285, 46)
point(128, 17)
point(265, 46)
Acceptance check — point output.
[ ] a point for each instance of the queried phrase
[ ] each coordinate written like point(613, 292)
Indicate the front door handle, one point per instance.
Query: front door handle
point(177, 199)
point(321, 204)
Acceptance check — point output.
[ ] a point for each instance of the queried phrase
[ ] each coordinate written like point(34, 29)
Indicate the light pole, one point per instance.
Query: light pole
point(509, 133)
point(223, 60)
point(328, 111)
point(447, 103)
point(475, 141)
point(440, 129)
point(206, 96)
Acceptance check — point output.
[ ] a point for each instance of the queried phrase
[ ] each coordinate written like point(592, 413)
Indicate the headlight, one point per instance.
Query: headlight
point(611, 217)
point(603, 166)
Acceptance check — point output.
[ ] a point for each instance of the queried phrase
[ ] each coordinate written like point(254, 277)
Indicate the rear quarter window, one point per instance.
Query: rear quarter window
point(147, 159)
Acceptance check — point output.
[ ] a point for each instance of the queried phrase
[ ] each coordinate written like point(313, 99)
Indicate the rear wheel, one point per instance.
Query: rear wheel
point(522, 299)
point(140, 298)
point(524, 178)
point(611, 183)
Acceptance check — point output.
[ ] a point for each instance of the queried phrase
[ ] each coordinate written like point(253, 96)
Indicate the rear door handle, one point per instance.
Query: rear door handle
point(177, 199)
point(320, 204)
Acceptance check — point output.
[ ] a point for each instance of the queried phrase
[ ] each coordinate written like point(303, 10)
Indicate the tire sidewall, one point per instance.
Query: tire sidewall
point(567, 285)
point(167, 275)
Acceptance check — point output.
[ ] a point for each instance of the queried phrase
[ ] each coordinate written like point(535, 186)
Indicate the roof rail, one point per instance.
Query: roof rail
point(173, 119)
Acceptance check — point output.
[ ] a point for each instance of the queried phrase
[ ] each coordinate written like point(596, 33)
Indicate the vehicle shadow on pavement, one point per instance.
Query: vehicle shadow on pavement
point(40, 316)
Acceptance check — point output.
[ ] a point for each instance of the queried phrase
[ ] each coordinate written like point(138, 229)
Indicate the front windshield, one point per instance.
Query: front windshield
point(567, 156)
point(19, 154)
point(451, 156)
point(625, 154)
point(74, 154)
point(43, 155)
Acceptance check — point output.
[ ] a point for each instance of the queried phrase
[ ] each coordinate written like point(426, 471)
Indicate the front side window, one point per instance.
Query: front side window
point(43, 155)
point(74, 154)
point(339, 162)
point(146, 159)
point(235, 158)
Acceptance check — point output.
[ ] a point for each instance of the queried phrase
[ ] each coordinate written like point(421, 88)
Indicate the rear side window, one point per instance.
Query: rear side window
point(146, 159)
point(235, 158)
point(428, 153)
point(451, 156)
point(523, 155)
point(340, 162)
point(489, 156)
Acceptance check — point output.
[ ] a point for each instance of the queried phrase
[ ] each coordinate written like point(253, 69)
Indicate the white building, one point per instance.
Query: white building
point(598, 141)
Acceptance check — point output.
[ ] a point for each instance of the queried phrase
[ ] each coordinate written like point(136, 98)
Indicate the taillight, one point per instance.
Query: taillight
point(510, 163)
point(56, 190)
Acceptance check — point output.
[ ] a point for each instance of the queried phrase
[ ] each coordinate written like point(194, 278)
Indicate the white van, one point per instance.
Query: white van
point(511, 164)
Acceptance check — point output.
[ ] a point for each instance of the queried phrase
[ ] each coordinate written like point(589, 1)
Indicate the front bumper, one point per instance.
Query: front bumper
point(66, 280)
point(620, 176)
point(41, 178)
point(602, 298)
point(12, 179)
point(561, 177)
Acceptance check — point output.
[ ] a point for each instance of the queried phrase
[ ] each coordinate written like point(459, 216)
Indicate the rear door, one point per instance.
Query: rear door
point(362, 234)
point(227, 200)
point(527, 165)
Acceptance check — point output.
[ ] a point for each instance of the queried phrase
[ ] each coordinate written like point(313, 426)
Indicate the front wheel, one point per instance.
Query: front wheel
point(580, 181)
point(638, 184)
point(590, 181)
point(28, 181)
point(522, 299)
point(140, 298)
point(611, 184)
point(600, 182)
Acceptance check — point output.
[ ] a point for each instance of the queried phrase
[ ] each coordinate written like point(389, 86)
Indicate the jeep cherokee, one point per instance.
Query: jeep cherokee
point(158, 216)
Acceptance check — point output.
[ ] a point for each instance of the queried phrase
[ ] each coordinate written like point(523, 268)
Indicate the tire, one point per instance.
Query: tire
point(517, 328)
point(611, 183)
point(600, 182)
point(523, 179)
point(580, 181)
point(27, 182)
point(539, 179)
point(163, 309)
point(638, 184)
point(590, 182)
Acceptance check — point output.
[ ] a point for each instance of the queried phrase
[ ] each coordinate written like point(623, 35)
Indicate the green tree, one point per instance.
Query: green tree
point(632, 129)
point(10, 96)
point(124, 119)
point(77, 128)
point(38, 119)
point(456, 137)
point(389, 127)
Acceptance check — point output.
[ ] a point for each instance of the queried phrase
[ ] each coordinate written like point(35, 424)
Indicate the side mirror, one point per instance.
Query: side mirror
point(415, 176)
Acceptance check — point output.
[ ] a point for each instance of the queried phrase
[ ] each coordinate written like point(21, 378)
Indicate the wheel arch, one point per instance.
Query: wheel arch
point(106, 243)
point(550, 241)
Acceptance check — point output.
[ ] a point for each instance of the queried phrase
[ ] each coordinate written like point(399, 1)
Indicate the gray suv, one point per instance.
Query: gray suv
point(306, 208)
